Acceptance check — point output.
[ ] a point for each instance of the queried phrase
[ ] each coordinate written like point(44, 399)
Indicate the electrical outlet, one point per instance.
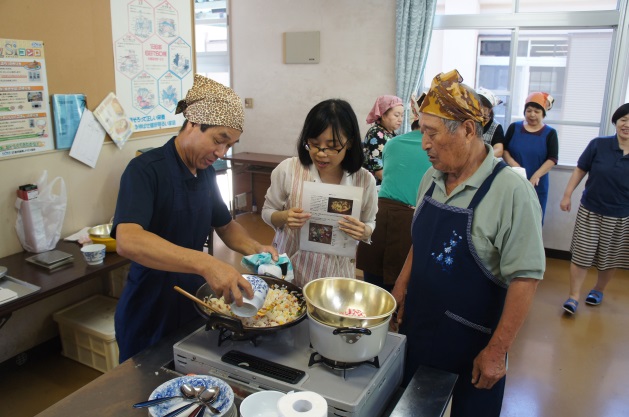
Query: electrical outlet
point(248, 103)
point(241, 200)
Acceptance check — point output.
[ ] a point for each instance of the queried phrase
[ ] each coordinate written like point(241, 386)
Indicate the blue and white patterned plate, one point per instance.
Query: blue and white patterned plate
point(170, 388)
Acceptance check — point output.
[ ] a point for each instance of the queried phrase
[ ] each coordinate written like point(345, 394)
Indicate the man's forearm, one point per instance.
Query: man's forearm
point(519, 298)
point(154, 252)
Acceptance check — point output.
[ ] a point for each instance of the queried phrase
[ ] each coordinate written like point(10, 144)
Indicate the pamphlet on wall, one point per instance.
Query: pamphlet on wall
point(328, 204)
point(25, 122)
point(67, 110)
point(89, 139)
point(112, 116)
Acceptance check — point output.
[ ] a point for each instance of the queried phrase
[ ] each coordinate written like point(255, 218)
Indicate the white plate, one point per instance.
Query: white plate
point(223, 403)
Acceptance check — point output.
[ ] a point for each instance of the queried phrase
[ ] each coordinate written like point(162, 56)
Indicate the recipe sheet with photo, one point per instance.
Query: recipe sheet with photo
point(328, 203)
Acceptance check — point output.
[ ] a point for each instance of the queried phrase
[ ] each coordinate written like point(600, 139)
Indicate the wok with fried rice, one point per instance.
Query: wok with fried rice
point(285, 307)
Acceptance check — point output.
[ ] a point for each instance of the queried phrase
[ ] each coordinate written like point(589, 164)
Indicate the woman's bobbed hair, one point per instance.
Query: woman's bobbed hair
point(620, 112)
point(340, 116)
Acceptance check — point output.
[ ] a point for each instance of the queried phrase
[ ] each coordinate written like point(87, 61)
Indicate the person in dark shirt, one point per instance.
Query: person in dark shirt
point(168, 204)
point(601, 231)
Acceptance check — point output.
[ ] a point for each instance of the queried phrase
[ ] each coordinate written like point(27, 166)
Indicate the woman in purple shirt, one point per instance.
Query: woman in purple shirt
point(601, 232)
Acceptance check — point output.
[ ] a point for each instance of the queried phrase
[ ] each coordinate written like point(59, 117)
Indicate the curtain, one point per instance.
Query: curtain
point(413, 32)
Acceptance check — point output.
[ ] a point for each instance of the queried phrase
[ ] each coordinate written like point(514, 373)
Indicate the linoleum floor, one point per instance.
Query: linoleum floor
point(559, 366)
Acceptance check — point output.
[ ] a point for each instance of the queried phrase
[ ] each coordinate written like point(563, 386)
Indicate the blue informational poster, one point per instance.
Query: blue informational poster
point(67, 110)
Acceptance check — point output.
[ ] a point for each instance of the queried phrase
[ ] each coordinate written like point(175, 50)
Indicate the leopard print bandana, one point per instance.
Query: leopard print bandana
point(450, 99)
point(211, 103)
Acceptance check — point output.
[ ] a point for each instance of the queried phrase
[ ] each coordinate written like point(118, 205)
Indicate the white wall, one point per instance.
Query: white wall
point(558, 225)
point(357, 63)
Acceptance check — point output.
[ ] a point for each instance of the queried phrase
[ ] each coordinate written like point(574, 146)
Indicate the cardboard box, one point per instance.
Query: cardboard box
point(27, 194)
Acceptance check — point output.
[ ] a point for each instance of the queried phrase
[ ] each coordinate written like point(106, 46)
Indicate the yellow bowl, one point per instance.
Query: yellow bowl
point(110, 243)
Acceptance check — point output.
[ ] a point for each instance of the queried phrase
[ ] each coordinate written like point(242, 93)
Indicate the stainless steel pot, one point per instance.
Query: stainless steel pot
point(328, 298)
point(347, 344)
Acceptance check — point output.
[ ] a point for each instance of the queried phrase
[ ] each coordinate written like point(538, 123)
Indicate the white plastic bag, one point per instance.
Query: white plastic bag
point(39, 221)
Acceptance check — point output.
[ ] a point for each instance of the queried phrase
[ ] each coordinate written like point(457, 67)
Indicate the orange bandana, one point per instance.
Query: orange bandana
point(450, 99)
point(543, 99)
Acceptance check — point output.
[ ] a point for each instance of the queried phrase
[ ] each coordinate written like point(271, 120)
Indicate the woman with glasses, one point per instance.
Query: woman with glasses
point(386, 115)
point(329, 151)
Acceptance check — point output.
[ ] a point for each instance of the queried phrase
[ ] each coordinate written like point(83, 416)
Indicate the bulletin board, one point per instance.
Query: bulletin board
point(77, 35)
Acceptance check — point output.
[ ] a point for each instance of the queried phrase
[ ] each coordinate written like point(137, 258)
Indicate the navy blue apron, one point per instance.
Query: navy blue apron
point(149, 307)
point(453, 302)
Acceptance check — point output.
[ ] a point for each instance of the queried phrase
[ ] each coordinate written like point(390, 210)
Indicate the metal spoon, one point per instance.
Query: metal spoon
point(197, 412)
point(187, 391)
point(212, 393)
point(203, 398)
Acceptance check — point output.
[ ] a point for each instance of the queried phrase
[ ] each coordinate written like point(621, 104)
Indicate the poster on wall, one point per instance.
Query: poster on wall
point(153, 53)
point(25, 122)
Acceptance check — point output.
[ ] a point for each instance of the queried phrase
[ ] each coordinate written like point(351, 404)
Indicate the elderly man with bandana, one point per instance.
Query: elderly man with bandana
point(477, 255)
point(168, 204)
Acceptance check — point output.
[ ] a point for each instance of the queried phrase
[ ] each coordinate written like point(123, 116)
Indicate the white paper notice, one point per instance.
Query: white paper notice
point(328, 204)
point(88, 140)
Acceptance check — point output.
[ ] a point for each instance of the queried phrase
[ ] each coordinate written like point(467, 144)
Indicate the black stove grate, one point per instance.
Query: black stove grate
point(316, 357)
point(264, 367)
point(225, 334)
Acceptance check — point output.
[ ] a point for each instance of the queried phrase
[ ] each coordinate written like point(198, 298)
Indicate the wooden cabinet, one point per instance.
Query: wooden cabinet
point(251, 174)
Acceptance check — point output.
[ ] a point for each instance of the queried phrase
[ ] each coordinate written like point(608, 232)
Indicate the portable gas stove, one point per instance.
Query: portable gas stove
point(284, 361)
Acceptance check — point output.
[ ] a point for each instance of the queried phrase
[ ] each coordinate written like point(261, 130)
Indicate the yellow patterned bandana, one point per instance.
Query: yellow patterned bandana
point(450, 99)
point(211, 103)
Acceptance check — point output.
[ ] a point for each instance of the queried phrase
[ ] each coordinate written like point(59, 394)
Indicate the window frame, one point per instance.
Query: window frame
point(617, 20)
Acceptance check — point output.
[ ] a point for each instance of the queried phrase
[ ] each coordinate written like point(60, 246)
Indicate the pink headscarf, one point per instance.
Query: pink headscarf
point(383, 103)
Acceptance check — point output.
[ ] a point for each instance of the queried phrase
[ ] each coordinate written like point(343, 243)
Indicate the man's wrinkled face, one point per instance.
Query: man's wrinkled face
point(446, 151)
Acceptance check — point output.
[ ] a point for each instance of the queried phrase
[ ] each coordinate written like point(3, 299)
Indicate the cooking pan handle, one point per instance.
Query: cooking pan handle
point(351, 330)
point(230, 323)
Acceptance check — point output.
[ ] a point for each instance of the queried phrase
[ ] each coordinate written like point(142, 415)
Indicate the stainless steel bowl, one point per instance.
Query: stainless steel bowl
point(328, 298)
point(102, 230)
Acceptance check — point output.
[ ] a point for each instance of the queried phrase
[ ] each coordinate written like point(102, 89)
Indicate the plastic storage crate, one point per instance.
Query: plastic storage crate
point(87, 332)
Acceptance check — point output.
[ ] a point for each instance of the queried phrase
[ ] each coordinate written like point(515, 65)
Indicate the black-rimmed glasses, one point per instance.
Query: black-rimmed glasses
point(328, 151)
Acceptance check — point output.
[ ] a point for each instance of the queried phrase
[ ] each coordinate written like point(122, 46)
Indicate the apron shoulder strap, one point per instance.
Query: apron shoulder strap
point(430, 190)
point(482, 191)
